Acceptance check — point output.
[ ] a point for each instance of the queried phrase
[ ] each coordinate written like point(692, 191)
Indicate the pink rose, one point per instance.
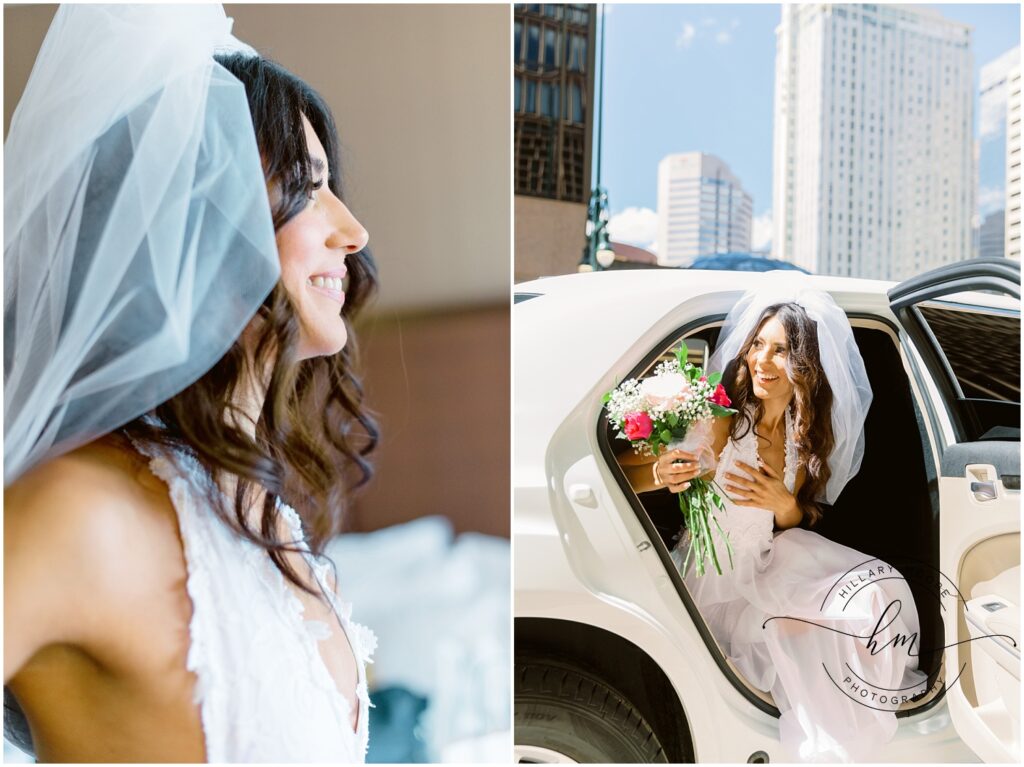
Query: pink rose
point(638, 425)
point(720, 397)
point(666, 390)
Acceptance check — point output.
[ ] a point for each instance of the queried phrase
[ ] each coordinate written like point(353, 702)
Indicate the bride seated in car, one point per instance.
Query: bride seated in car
point(784, 612)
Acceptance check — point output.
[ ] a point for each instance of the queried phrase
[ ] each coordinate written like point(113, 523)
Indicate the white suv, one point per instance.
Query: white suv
point(613, 660)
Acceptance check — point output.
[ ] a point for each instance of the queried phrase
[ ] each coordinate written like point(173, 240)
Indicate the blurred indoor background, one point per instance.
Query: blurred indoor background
point(421, 98)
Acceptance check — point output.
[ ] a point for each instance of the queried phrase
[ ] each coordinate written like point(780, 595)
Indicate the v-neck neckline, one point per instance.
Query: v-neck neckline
point(787, 418)
point(291, 519)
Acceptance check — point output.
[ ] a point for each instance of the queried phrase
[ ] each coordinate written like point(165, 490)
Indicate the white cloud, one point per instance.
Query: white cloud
point(761, 236)
point(704, 28)
point(686, 36)
point(634, 226)
point(990, 199)
point(992, 121)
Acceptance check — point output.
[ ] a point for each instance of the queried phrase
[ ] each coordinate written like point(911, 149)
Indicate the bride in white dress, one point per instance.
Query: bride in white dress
point(829, 631)
point(183, 417)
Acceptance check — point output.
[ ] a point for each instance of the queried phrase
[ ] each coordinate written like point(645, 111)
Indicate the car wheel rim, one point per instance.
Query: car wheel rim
point(539, 755)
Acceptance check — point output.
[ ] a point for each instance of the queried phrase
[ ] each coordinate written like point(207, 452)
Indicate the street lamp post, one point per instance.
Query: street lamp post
point(598, 253)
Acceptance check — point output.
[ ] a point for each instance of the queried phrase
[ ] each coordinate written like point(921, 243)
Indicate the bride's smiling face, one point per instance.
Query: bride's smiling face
point(313, 246)
point(766, 362)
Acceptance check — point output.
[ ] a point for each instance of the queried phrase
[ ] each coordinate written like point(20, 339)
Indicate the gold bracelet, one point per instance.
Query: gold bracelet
point(657, 477)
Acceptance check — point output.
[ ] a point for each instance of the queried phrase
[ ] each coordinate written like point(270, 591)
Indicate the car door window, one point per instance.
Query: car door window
point(980, 351)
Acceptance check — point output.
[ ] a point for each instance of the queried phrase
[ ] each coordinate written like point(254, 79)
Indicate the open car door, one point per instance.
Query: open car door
point(961, 326)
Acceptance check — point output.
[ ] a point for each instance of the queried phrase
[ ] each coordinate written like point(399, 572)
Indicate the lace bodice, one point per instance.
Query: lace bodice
point(748, 526)
point(264, 690)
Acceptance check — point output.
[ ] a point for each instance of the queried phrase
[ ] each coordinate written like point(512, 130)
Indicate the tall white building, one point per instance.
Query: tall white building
point(873, 156)
point(702, 209)
point(1013, 162)
point(996, 83)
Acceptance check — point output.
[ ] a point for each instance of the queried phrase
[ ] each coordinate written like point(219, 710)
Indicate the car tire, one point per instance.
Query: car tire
point(563, 711)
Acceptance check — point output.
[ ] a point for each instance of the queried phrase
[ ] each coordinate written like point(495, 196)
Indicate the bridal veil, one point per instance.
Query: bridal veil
point(138, 240)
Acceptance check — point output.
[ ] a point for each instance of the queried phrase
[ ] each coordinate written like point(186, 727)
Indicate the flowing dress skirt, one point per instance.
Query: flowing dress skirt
point(832, 633)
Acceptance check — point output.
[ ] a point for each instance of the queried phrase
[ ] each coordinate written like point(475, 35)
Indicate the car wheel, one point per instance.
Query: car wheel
point(564, 714)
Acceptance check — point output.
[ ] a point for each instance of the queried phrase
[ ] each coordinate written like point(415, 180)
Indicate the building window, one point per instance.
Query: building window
point(577, 14)
point(532, 44)
point(550, 48)
point(549, 102)
point(517, 44)
point(517, 99)
point(576, 105)
point(576, 53)
point(531, 97)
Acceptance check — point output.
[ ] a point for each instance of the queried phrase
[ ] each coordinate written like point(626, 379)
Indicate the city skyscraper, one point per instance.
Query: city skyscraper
point(702, 209)
point(993, 151)
point(1013, 162)
point(553, 92)
point(873, 168)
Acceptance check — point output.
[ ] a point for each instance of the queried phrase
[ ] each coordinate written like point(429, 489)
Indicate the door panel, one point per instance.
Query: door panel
point(969, 347)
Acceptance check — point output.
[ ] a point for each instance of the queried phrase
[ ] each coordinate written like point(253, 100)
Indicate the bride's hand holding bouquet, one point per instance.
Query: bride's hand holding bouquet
point(669, 416)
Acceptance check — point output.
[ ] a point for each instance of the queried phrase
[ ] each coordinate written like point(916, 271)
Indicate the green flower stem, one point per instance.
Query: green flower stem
point(707, 534)
point(697, 505)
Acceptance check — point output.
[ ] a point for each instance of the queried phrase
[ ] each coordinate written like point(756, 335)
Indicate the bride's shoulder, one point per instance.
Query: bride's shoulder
point(102, 474)
point(721, 427)
point(96, 510)
point(90, 544)
point(722, 424)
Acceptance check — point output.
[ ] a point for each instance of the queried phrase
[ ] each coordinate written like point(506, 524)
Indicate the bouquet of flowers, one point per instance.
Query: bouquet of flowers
point(673, 410)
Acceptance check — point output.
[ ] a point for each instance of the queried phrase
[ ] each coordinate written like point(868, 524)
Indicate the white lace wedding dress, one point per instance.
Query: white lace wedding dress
point(264, 690)
point(829, 687)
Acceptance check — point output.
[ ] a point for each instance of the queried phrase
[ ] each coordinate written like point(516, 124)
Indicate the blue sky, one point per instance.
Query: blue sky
point(685, 78)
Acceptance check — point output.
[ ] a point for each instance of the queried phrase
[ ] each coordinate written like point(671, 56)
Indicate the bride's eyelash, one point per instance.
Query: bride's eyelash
point(758, 343)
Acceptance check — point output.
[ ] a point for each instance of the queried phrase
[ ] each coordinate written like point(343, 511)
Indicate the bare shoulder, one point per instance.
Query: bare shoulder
point(86, 503)
point(721, 428)
point(722, 425)
point(86, 536)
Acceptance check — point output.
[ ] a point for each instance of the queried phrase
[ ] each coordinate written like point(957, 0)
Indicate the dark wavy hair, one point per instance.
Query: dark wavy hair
point(812, 399)
point(313, 434)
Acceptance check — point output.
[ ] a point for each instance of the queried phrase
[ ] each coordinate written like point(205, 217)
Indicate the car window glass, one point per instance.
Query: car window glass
point(697, 353)
point(981, 347)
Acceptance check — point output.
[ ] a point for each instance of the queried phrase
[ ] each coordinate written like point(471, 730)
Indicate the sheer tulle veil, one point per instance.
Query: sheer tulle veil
point(840, 359)
point(138, 240)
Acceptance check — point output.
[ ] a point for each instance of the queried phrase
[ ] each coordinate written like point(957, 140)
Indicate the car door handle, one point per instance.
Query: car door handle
point(984, 491)
point(583, 495)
